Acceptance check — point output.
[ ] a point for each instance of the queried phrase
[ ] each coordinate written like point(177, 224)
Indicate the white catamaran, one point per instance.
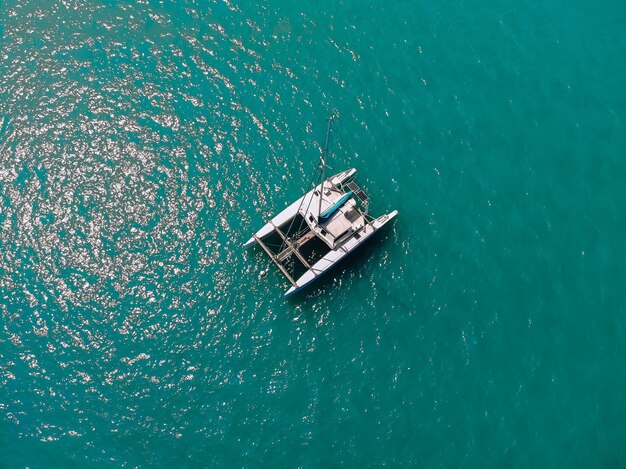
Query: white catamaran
point(319, 229)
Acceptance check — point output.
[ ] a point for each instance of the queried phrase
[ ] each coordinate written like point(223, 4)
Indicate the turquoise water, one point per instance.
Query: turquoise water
point(142, 143)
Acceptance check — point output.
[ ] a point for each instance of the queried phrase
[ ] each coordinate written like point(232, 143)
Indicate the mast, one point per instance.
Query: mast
point(324, 153)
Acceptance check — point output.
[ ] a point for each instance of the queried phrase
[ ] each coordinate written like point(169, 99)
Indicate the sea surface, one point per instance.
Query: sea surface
point(141, 144)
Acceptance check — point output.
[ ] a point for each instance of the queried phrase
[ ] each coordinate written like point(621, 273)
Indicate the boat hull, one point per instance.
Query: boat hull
point(292, 210)
point(279, 220)
point(335, 256)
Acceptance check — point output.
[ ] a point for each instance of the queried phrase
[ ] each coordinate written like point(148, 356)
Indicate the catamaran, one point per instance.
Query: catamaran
point(320, 229)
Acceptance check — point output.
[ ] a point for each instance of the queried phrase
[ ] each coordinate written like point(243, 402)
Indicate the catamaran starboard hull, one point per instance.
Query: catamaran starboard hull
point(335, 256)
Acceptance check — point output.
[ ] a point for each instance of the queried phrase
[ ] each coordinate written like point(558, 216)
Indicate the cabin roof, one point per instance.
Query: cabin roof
point(343, 219)
point(346, 219)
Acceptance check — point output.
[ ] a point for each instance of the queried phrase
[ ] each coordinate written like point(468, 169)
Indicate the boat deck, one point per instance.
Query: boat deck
point(303, 244)
point(288, 251)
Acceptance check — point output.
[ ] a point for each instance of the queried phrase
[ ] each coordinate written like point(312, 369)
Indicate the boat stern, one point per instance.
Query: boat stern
point(248, 244)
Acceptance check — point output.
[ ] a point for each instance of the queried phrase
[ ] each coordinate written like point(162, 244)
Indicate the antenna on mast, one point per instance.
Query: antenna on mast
point(324, 153)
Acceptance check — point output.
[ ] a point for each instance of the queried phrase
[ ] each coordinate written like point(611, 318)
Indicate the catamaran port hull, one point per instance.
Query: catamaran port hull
point(292, 211)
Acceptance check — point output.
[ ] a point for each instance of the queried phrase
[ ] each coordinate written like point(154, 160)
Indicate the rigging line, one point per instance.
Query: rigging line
point(283, 244)
point(369, 217)
point(302, 202)
point(324, 156)
point(320, 168)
